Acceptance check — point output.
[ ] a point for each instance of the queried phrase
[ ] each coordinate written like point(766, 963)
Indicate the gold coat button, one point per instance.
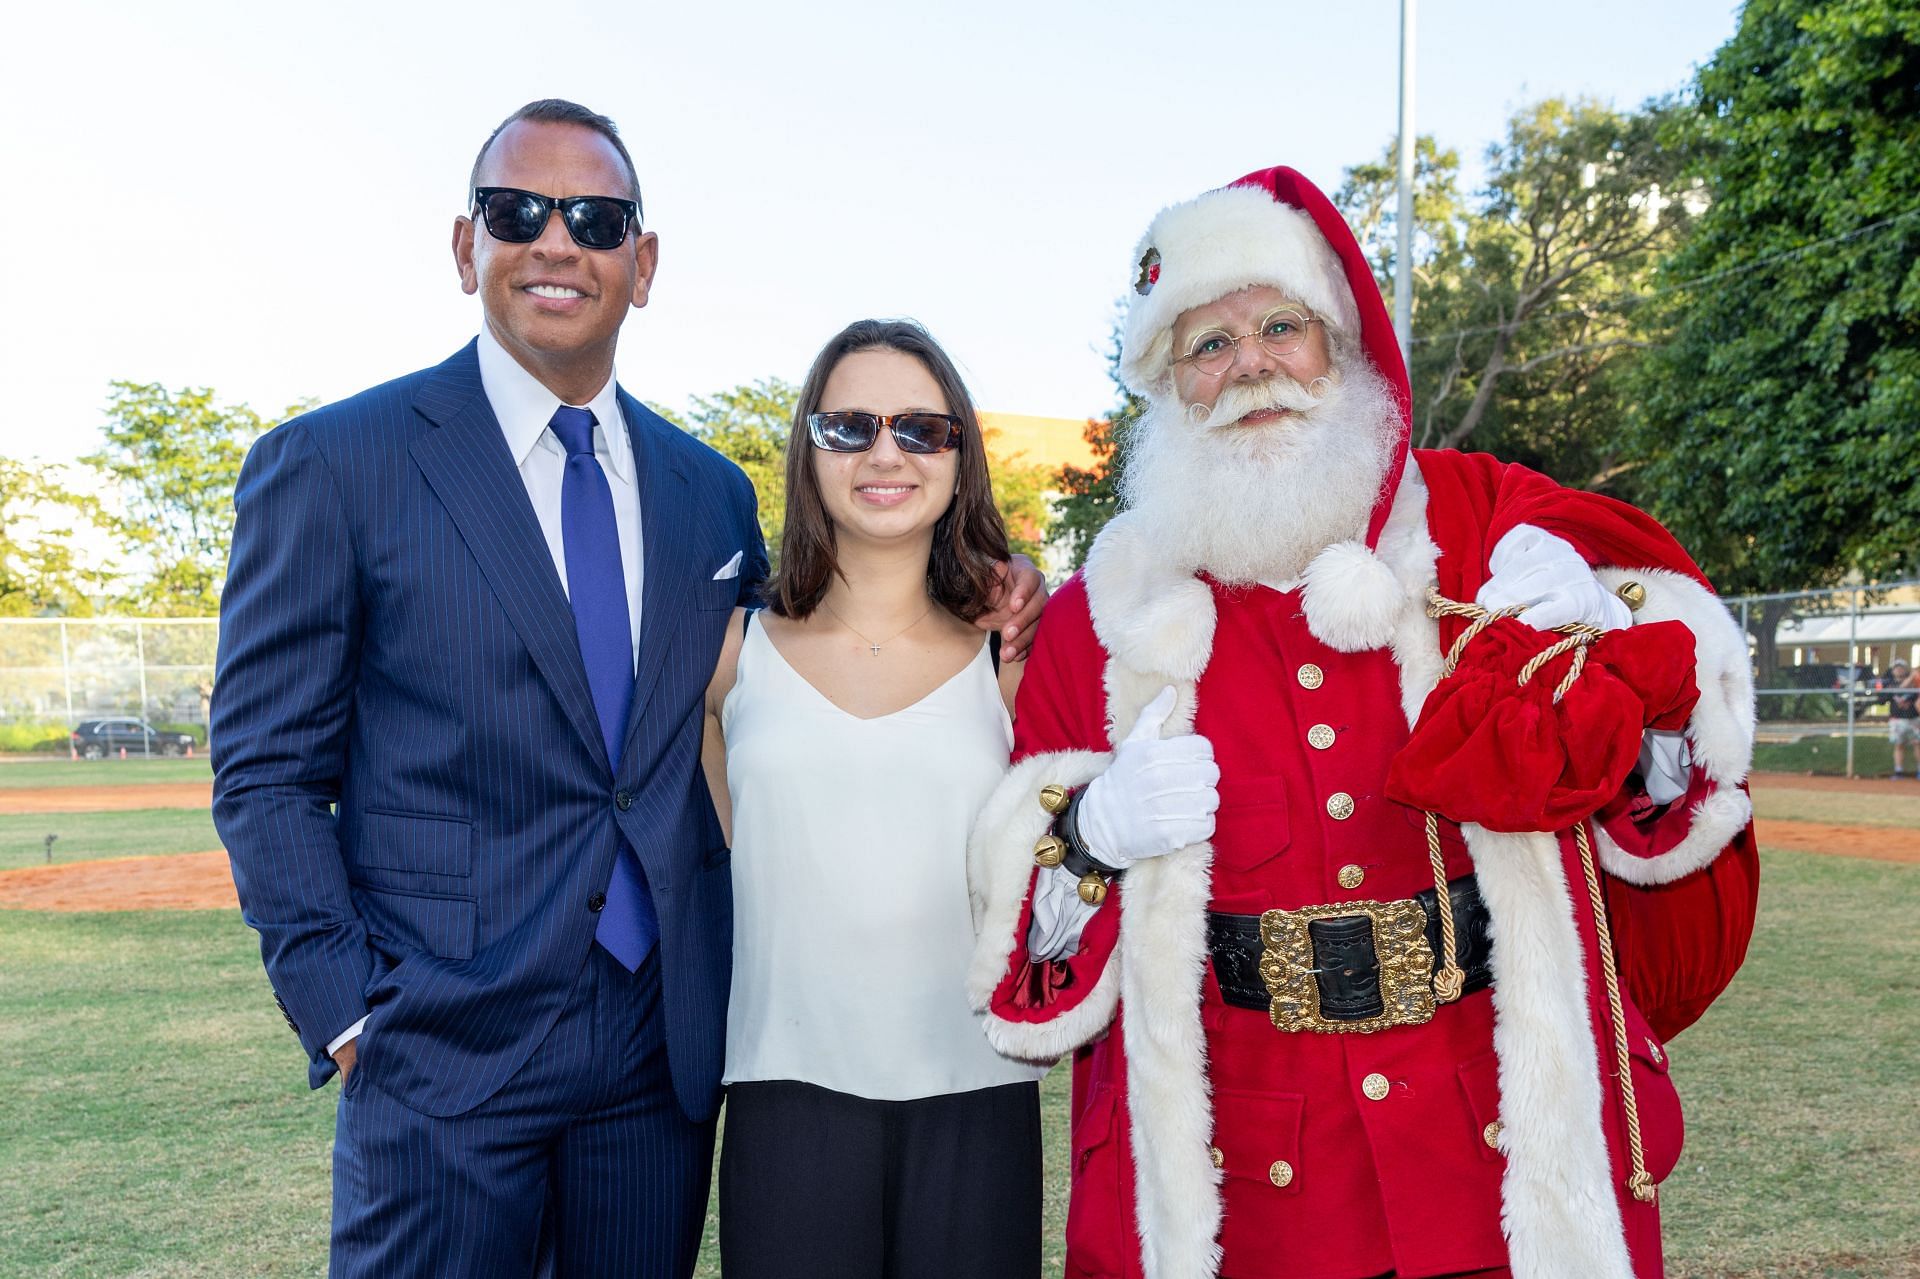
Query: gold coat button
point(1311, 676)
point(1219, 1160)
point(1351, 876)
point(1653, 1052)
point(1491, 1134)
point(1320, 736)
point(1339, 806)
point(1281, 1174)
point(1375, 1086)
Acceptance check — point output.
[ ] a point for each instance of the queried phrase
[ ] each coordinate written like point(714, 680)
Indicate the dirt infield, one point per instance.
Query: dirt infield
point(1876, 843)
point(113, 799)
point(178, 881)
point(1839, 785)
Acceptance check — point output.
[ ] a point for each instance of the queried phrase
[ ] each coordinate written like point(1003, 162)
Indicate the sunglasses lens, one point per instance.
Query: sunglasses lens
point(924, 432)
point(844, 432)
point(513, 216)
point(597, 223)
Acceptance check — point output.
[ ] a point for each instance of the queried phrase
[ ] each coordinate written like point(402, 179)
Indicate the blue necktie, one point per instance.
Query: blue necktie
point(597, 589)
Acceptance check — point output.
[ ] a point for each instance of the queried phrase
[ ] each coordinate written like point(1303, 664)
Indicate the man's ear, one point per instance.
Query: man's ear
point(463, 254)
point(646, 260)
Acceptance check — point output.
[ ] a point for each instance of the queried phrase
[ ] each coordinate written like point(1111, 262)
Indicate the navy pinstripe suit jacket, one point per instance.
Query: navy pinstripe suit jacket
point(409, 773)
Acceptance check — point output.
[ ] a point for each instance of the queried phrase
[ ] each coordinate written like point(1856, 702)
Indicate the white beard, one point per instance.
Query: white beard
point(1257, 503)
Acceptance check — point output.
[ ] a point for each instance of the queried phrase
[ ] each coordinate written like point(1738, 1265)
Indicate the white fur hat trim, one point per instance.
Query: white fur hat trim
point(1217, 244)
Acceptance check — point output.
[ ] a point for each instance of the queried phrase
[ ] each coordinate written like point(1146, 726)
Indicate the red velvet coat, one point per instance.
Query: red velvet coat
point(1207, 1142)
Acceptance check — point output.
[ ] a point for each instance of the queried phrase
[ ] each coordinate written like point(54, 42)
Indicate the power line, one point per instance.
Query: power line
point(1624, 300)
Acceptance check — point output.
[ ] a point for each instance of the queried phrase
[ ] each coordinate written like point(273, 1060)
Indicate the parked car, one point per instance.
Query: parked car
point(100, 738)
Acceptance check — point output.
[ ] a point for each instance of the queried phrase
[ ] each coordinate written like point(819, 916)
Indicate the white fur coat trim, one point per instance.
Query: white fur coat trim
point(999, 873)
point(1711, 826)
point(1558, 1205)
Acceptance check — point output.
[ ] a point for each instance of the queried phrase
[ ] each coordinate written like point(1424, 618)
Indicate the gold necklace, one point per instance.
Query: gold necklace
point(873, 646)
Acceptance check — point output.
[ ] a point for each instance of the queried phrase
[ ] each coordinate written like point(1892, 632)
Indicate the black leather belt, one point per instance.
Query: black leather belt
point(1346, 966)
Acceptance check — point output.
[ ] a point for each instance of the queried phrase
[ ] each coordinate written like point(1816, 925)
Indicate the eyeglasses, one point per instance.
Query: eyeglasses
point(518, 217)
point(856, 432)
point(1282, 332)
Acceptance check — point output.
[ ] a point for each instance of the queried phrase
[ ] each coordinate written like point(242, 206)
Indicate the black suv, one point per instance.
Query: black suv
point(99, 738)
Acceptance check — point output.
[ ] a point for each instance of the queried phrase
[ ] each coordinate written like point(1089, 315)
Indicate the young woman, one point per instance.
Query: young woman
point(856, 725)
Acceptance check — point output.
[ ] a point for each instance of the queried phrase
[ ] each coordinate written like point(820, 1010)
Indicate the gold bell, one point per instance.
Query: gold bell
point(1633, 594)
point(1093, 889)
point(1050, 851)
point(1054, 797)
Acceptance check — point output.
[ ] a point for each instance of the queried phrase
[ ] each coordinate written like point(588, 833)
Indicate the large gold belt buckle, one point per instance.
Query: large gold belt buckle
point(1399, 942)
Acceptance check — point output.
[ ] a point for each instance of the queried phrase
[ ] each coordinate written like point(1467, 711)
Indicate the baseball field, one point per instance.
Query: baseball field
point(154, 1117)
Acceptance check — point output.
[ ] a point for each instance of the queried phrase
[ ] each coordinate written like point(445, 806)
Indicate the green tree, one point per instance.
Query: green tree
point(1524, 295)
point(750, 424)
point(39, 576)
point(1020, 493)
point(173, 456)
point(1090, 496)
point(1777, 424)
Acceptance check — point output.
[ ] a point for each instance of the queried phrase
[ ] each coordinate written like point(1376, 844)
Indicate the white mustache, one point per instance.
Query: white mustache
point(1277, 392)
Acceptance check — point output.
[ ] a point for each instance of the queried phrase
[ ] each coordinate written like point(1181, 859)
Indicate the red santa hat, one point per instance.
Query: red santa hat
point(1276, 228)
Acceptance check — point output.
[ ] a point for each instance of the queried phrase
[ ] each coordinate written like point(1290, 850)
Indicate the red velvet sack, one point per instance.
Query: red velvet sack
point(1510, 758)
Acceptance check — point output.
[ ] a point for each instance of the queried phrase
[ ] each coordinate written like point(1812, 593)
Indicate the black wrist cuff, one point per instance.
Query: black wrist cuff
point(1079, 859)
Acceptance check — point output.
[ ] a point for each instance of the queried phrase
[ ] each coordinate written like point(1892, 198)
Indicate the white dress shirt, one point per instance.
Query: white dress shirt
point(524, 407)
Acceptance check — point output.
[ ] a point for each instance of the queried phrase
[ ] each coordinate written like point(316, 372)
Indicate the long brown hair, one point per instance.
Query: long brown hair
point(968, 541)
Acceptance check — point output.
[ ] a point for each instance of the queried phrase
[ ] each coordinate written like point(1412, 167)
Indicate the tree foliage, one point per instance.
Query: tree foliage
point(173, 456)
point(1089, 497)
point(39, 576)
point(750, 424)
point(1523, 315)
point(1776, 435)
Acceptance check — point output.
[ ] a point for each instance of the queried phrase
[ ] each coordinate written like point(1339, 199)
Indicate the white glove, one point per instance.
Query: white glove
point(1664, 763)
point(1059, 915)
point(1159, 794)
point(1531, 566)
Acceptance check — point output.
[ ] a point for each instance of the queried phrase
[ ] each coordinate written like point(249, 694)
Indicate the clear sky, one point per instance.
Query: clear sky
point(259, 197)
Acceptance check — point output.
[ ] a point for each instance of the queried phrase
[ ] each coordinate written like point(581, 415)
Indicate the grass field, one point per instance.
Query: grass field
point(1872, 754)
point(154, 1119)
point(87, 836)
point(1838, 807)
point(21, 773)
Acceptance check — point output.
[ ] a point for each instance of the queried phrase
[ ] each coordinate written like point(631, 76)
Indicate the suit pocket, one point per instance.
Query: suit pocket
point(723, 593)
point(414, 842)
point(434, 923)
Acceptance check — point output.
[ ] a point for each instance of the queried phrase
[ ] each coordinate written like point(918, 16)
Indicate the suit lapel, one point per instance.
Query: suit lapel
point(664, 511)
point(467, 463)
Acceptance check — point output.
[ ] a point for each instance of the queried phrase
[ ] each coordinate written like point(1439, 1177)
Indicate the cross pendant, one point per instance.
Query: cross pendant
point(875, 648)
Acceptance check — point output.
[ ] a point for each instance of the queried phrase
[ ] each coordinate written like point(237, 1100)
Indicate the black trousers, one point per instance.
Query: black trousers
point(816, 1184)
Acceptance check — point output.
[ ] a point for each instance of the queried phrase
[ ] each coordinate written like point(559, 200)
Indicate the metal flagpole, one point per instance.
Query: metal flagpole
point(1403, 253)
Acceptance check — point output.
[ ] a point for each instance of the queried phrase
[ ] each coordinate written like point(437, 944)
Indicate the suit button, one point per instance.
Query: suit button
point(597, 903)
point(1375, 1087)
point(622, 800)
point(1339, 806)
point(1281, 1173)
point(1310, 676)
point(1321, 737)
point(1352, 876)
point(1491, 1134)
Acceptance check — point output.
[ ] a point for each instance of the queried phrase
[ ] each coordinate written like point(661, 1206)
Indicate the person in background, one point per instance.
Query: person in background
point(856, 726)
point(1903, 716)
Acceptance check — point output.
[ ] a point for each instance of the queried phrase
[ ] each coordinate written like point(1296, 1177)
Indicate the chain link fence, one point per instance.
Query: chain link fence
point(56, 674)
point(1822, 665)
point(1821, 670)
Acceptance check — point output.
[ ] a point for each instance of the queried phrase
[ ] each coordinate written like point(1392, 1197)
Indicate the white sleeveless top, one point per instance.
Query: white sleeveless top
point(852, 932)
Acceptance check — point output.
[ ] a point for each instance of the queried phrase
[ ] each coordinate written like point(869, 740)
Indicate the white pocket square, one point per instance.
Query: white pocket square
point(730, 569)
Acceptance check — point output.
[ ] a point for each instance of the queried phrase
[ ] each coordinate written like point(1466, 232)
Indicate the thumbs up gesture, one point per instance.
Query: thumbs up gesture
point(1158, 795)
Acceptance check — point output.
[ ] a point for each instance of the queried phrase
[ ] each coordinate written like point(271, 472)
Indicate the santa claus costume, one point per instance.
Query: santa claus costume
point(1266, 1080)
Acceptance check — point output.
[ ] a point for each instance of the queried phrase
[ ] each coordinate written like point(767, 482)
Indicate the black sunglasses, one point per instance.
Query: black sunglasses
point(856, 432)
point(518, 217)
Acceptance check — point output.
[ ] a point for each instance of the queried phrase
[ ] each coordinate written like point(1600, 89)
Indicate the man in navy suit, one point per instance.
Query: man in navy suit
point(468, 622)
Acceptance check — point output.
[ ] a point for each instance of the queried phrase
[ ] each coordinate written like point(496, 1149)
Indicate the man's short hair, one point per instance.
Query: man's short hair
point(559, 111)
